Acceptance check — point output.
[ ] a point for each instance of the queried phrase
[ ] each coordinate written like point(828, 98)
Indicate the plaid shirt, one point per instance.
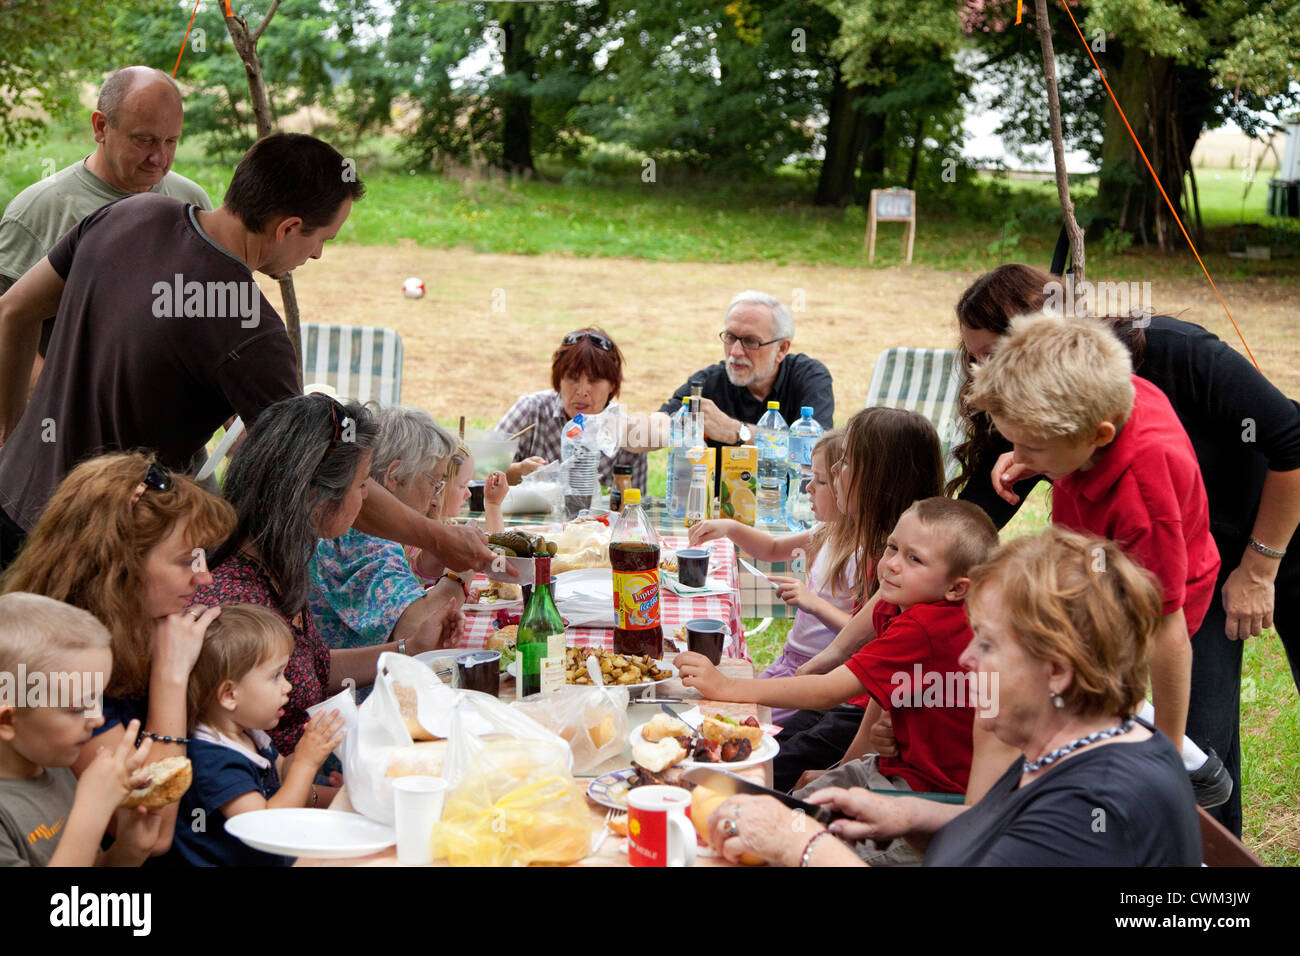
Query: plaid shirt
point(546, 410)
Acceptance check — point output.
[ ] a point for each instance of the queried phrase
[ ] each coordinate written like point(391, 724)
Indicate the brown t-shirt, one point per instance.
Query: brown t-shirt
point(33, 813)
point(160, 336)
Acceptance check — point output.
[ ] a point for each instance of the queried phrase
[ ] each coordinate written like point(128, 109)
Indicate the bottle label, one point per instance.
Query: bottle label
point(636, 599)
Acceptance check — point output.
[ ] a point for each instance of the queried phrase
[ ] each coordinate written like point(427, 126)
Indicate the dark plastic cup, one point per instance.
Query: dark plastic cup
point(693, 567)
point(481, 671)
point(476, 495)
point(705, 636)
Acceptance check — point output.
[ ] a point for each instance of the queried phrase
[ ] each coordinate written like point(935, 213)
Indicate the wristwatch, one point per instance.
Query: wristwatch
point(743, 434)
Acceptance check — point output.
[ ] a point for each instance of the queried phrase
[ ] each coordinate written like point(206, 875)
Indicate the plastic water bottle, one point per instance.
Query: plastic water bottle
point(674, 495)
point(692, 437)
point(581, 461)
point(773, 442)
point(804, 434)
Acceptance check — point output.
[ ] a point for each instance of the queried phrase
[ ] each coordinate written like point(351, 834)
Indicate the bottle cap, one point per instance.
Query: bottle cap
point(806, 411)
point(773, 404)
point(622, 469)
point(632, 496)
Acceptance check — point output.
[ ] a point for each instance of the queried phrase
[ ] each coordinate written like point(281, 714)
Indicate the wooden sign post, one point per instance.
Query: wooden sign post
point(891, 205)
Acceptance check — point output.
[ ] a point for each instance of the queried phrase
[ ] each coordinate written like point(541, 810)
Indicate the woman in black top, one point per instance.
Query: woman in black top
point(1059, 657)
point(1246, 435)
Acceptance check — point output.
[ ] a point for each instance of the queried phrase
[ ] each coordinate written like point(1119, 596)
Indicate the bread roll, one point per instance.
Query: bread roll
point(418, 760)
point(603, 732)
point(408, 701)
point(168, 781)
point(505, 637)
point(662, 726)
point(658, 757)
point(703, 802)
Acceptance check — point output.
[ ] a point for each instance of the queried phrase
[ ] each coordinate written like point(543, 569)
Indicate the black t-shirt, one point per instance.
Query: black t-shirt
point(1239, 423)
point(1110, 805)
point(800, 381)
point(133, 364)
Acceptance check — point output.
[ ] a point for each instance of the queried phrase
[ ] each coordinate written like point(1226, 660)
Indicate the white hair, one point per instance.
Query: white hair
point(782, 320)
point(409, 436)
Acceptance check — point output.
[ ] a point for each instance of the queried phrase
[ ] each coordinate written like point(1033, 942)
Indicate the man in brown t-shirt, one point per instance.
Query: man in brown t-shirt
point(161, 334)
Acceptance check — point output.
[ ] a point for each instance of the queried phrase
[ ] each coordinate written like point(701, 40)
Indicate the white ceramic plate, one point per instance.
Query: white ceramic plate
point(765, 751)
point(313, 834)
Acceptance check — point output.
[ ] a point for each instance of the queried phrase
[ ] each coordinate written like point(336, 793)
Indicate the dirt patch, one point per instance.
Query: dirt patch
point(462, 357)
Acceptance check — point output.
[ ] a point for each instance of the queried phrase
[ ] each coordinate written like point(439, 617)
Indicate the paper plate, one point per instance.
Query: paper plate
point(313, 834)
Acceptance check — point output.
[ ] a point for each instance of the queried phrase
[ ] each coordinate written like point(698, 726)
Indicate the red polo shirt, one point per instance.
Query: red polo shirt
point(911, 670)
point(1145, 493)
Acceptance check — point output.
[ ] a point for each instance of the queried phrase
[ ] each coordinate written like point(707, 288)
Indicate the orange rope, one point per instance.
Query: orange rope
point(1159, 185)
point(1020, 10)
point(181, 51)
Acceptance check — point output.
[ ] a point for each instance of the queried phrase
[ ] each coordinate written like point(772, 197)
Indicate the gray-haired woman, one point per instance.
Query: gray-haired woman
point(364, 590)
point(301, 475)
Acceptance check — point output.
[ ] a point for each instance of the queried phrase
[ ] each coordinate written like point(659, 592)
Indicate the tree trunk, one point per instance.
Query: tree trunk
point(873, 156)
point(1058, 148)
point(246, 45)
point(835, 180)
point(1167, 106)
point(918, 134)
point(517, 107)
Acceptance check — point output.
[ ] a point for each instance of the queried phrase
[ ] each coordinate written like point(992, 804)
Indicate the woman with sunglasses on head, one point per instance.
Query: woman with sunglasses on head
point(126, 540)
point(586, 373)
point(300, 476)
point(364, 592)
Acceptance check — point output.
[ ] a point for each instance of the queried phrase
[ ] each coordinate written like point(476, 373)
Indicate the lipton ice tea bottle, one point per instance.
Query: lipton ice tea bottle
point(634, 557)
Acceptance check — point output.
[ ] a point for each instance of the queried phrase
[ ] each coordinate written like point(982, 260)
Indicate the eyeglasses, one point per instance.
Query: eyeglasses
point(157, 477)
point(600, 341)
point(748, 343)
point(438, 483)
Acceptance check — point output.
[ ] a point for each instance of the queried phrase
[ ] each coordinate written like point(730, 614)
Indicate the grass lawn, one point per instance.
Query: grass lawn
point(603, 209)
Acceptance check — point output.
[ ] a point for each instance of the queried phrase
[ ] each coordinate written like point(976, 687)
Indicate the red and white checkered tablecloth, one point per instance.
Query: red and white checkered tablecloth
point(675, 609)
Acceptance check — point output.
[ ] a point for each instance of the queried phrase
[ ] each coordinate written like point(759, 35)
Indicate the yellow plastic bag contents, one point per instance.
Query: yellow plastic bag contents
point(517, 804)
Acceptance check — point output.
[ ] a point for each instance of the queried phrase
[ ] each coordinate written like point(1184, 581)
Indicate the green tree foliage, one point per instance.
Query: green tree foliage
point(46, 50)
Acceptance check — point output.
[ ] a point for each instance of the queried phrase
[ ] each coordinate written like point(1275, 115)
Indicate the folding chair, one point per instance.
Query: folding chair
point(925, 381)
point(355, 362)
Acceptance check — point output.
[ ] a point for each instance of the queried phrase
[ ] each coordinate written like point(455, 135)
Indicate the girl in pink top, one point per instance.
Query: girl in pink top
point(825, 603)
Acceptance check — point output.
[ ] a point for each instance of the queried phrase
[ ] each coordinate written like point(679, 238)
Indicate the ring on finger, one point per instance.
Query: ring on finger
point(730, 827)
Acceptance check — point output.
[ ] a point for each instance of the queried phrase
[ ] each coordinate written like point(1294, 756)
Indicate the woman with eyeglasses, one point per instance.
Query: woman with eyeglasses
point(586, 373)
point(126, 540)
point(364, 592)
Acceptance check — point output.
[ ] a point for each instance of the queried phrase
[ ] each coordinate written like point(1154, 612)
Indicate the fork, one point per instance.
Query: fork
point(605, 831)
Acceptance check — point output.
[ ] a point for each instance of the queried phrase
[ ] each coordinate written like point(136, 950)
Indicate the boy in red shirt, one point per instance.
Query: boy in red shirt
point(910, 670)
point(1063, 392)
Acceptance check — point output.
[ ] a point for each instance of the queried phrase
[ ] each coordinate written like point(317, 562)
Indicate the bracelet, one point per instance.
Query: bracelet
point(807, 850)
point(161, 738)
point(1266, 550)
point(314, 796)
point(401, 646)
point(459, 580)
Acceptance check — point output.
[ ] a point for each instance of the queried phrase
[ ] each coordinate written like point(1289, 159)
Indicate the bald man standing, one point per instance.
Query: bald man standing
point(136, 124)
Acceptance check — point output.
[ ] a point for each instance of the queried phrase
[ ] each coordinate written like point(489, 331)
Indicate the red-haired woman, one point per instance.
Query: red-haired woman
point(586, 372)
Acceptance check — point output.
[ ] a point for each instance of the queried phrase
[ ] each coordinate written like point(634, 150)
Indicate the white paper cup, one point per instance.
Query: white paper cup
point(417, 806)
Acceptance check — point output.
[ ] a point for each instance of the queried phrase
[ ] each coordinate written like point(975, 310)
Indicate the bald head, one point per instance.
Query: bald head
point(131, 79)
point(137, 124)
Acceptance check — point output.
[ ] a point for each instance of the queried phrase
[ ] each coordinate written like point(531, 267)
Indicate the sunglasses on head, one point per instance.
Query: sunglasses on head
point(157, 478)
point(340, 419)
point(598, 340)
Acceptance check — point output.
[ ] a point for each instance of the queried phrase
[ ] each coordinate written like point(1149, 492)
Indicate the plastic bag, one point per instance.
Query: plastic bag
point(462, 717)
point(540, 490)
point(517, 804)
point(592, 719)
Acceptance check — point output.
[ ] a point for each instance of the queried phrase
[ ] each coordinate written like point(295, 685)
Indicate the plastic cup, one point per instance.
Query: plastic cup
point(693, 567)
point(481, 671)
point(706, 636)
point(417, 806)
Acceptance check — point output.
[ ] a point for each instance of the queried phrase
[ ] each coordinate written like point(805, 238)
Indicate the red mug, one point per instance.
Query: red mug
point(658, 830)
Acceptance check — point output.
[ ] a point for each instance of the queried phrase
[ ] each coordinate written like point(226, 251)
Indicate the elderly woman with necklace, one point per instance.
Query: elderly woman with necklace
point(1063, 624)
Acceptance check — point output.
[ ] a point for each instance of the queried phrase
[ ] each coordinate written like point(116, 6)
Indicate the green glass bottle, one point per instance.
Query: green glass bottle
point(541, 638)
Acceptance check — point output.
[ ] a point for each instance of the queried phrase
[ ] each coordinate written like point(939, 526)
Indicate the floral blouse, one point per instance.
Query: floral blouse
point(360, 587)
point(241, 580)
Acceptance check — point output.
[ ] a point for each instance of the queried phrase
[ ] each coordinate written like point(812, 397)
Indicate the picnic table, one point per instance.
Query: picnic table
point(613, 851)
point(675, 611)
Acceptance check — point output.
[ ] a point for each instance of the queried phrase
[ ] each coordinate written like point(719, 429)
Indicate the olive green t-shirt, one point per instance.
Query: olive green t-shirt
point(41, 214)
point(33, 813)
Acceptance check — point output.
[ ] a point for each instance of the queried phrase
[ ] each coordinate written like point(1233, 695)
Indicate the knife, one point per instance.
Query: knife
point(720, 781)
